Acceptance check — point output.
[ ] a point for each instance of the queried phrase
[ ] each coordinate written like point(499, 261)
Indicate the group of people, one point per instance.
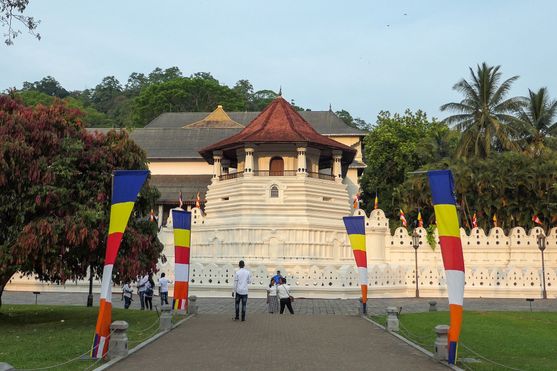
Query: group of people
point(146, 290)
point(278, 293)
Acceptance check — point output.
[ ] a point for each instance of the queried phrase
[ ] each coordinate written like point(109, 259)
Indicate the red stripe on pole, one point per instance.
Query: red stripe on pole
point(112, 245)
point(182, 255)
point(361, 258)
point(451, 248)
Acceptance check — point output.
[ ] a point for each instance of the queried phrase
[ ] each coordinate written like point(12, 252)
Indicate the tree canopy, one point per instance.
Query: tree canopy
point(55, 187)
point(11, 13)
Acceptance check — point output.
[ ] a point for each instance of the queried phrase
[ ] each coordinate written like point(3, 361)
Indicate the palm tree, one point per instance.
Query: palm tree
point(485, 118)
point(539, 121)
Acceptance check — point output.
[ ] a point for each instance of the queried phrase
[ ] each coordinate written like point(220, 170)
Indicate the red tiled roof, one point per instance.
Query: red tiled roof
point(278, 123)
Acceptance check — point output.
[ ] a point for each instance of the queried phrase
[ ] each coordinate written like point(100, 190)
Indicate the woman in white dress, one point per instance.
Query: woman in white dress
point(272, 300)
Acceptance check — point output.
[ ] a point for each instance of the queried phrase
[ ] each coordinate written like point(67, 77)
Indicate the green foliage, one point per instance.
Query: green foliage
point(538, 120)
point(48, 85)
point(512, 185)
point(357, 122)
point(90, 116)
point(186, 94)
point(11, 13)
point(35, 336)
point(430, 237)
point(55, 186)
point(485, 117)
point(395, 146)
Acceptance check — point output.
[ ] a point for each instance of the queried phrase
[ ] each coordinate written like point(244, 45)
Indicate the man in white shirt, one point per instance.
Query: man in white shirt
point(141, 287)
point(163, 282)
point(242, 279)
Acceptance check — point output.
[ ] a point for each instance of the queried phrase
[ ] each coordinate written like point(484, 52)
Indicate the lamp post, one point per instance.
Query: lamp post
point(415, 245)
point(541, 246)
point(90, 296)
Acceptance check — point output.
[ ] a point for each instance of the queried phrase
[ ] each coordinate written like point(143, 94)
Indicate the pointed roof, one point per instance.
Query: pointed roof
point(278, 123)
point(217, 119)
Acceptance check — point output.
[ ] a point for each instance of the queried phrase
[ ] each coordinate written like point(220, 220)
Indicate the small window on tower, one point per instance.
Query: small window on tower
point(274, 191)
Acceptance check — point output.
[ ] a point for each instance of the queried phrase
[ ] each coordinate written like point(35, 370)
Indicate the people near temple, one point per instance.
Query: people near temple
point(272, 300)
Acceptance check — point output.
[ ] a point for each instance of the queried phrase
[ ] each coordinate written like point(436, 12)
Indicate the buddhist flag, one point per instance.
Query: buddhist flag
point(180, 200)
point(495, 220)
point(474, 221)
point(376, 203)
point(152, 216)
point(198, 201)
point(403, 218)
point(420, 220)
point(181, 221)
point(126, 184)
point(537, 220)
point(355, 227)
point(441, 184)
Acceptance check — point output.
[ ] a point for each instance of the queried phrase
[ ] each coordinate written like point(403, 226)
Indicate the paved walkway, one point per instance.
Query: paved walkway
point(301, 306)
point(273, 342)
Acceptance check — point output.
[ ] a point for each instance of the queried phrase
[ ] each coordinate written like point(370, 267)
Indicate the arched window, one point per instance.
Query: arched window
point(276, 166)
point(274, 191)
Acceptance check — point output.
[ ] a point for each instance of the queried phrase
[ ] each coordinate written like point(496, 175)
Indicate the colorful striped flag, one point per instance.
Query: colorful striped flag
point(474, 221)
point(198, 201)
point(403, 218)
point(420, 220)
point(181, 221)
point(355, 227)
point(180, 200)
point(441, 184)
point(537, 220)
point(152, 216)
point(126, 184)
point(376, 203)
point(495, 220)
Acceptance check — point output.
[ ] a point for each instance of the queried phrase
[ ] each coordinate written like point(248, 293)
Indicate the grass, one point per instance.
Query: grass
point(34, 336)
point(519, 340)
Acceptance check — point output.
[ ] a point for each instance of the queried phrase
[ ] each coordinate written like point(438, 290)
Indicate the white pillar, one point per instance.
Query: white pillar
point(217, 168)
point(248, 169)
point(337, 169)
point(302, 163)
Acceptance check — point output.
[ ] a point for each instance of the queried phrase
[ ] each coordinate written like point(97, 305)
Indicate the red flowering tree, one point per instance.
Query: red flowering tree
point(55, 188)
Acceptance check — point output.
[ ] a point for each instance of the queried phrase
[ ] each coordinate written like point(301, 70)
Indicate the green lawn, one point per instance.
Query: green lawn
point(33, 336)
point(522, 340)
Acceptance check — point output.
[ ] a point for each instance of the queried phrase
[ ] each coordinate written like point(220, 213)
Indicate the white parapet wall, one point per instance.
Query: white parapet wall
point(318, 262)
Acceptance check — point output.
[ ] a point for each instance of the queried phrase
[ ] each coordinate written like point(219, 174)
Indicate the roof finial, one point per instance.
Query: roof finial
point(330, 107)
point(280, 91)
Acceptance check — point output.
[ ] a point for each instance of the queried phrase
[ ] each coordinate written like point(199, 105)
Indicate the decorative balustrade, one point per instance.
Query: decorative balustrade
point(310, 174)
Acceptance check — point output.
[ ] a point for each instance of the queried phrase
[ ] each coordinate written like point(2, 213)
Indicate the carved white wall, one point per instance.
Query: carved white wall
point(318, 262)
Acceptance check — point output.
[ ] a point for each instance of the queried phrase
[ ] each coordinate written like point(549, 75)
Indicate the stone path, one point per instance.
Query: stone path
point(301, 306)
point(274, 342)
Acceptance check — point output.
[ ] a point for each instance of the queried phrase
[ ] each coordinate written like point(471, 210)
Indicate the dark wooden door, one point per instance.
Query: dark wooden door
point(276, 168)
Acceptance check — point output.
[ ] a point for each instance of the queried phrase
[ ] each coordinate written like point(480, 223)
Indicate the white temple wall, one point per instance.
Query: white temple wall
point(318, 261)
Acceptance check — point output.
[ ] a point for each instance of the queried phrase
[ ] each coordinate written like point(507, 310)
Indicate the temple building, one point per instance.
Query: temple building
point(173, 142)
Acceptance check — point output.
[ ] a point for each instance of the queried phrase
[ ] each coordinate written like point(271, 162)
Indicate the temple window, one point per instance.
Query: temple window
point(274, 191)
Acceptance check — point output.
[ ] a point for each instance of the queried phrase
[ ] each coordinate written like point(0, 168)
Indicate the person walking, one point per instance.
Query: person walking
point(242, 279)
point(272, 300)
point(149, 291)
point(163, 286)
point(285, 298)
point(141, 290)
point(127, 294)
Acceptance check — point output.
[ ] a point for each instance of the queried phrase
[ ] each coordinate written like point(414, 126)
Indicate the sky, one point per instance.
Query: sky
point(362, 56)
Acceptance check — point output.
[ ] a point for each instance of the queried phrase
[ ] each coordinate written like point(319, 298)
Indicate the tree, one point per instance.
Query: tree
point(186, 94)
point(512, 185)
point(396, 145)
point(357, 122)
point(486, 119)
point(159, 75)
point(11, 11)
point(105, 93)
point(48, 85)
point(539, 120)
point(55, 187)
